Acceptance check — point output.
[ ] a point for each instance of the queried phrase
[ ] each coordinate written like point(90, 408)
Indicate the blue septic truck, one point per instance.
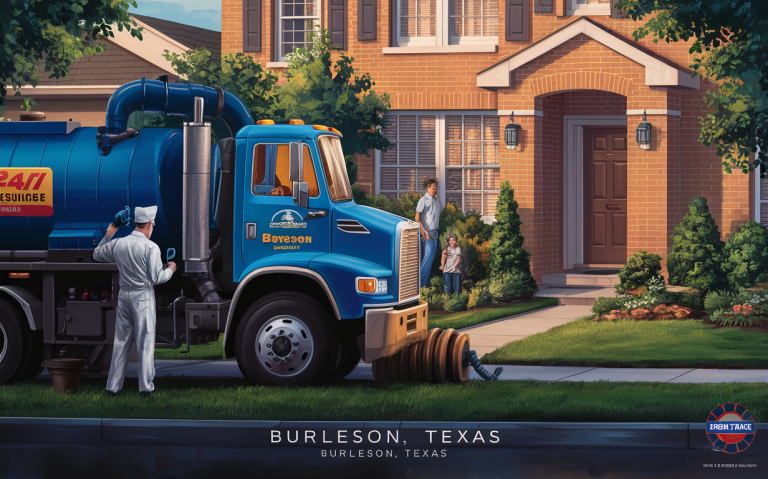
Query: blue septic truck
point(276, 255)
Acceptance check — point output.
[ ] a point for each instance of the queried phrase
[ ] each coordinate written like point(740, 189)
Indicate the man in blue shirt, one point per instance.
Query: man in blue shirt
point(428, 216)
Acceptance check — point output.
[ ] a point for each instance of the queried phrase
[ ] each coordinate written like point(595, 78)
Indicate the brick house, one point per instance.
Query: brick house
point(84, 93)
point(577, 83)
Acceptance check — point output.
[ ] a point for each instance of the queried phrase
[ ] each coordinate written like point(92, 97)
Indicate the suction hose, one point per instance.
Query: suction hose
point(471, 356)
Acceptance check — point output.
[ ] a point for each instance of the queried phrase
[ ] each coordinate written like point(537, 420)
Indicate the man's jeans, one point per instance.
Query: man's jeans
point(452, 283)
point(430, 246)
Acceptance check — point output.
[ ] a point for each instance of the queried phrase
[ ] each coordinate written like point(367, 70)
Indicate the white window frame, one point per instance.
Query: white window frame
point(441, 150)
point(599, 9)
point(279, 39)
point(759, 202)
point(442, 36)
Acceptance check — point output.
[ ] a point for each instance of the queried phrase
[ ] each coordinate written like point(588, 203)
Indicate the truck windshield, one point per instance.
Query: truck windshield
point(335, 168)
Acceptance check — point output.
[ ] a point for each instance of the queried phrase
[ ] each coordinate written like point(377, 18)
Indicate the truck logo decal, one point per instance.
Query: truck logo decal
point(26, 192)
point(269, 238)
point(287, 219)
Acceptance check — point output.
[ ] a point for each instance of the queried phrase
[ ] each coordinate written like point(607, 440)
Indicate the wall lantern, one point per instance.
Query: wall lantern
point(644, 134)
point(512, 133)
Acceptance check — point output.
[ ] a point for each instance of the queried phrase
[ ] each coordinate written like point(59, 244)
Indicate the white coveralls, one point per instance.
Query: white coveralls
point(141, 268)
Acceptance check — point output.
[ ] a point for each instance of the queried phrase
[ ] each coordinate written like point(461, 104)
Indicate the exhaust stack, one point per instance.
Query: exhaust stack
point(195, 241)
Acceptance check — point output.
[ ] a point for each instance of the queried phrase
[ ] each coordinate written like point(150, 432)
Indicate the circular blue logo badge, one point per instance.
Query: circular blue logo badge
point(730, 428)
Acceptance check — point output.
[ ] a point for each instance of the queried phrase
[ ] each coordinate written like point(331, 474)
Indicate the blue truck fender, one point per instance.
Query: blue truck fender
point(278, 269)
point(33, 307)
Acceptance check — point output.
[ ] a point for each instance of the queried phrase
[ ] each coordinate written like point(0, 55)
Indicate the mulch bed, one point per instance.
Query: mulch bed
point(662, 311)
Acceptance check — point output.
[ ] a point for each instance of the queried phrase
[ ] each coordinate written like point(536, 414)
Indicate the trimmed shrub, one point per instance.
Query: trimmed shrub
point(508, 257)
point(511, 286)
point(457, 302)
point(480, 296)
point(606, 305)
point(745, 257)
point(434, 294)
point(640, 269)
point(697, 251)
point(719, 300)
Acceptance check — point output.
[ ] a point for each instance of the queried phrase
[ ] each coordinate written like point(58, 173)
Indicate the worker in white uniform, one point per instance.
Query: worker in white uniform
point(141, 268)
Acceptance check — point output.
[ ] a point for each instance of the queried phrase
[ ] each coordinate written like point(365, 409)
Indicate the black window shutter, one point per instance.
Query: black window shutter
point(516, 20)
point(615, 12)
point(251, 25)
point(337, 23)
point(366, 19)
point(543, 6)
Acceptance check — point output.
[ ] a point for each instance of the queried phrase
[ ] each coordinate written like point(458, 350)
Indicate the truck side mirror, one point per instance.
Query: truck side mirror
point(301, 194)
point(296, 160)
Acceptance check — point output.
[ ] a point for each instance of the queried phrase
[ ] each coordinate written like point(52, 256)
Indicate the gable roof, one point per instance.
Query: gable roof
point(114, 66)
point(190, 37)
point(658, 70)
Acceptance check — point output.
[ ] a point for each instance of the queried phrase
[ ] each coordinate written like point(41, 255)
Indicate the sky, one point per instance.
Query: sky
point(197, 13)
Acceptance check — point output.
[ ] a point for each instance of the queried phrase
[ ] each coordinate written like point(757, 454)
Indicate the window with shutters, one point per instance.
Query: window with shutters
point(472, 162)
point(447, 22)
point(589, 7)
point(296, 20)
point(411, 158)
point(460, 149)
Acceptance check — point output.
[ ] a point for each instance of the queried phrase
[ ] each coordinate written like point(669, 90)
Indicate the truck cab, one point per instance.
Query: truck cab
point(365, 261)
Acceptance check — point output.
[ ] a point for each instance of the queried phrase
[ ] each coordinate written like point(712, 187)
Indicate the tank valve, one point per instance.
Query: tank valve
point(105, 141)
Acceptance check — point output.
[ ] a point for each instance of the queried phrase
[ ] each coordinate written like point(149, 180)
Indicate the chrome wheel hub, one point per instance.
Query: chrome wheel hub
point(284, 346)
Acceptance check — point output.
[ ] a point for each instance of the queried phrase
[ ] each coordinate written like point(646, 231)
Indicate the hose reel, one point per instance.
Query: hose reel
point(444, 357)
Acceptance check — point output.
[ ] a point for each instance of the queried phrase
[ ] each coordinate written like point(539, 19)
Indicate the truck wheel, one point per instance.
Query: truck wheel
point(33, 363)
point(287, 338)
point(350, 355)
point(14, 347)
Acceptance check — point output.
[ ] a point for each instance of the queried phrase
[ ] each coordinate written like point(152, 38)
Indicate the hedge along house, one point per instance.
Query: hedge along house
point(578, 85)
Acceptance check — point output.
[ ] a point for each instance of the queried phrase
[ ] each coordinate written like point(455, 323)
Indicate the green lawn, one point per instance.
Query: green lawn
point(458, 320)
point(465, 319)
point(201, 351)
point(184, 398)
point(637, 344)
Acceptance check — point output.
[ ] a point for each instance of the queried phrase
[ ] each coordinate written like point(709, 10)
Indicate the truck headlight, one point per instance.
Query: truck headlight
point(372, 285)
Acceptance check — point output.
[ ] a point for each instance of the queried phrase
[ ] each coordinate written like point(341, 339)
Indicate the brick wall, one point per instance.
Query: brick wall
point(580, 77)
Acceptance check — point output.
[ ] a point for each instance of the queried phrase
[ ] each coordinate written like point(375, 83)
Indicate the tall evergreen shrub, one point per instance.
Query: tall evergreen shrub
point(508, 257)
point(697, 251)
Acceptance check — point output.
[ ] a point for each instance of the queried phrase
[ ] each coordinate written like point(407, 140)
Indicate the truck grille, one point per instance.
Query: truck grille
point(409, 263)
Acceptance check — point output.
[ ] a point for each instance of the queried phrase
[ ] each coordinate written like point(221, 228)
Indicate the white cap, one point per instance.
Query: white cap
point(145, 215)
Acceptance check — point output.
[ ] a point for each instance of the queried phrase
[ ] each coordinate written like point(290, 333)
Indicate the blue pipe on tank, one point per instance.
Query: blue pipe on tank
point(155, 96)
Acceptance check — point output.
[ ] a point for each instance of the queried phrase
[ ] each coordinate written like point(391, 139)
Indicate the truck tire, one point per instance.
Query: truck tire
point(14, 345)
point(350, 355)
point(287, 338)
point(33, 362)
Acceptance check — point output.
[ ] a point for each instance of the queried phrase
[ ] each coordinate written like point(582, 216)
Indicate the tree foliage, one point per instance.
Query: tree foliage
point(321, 92)
point(729, 45)
point(236, 73)
point(51, 34)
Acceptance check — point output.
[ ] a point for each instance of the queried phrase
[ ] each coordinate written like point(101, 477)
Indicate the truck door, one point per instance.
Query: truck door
point(276, 231)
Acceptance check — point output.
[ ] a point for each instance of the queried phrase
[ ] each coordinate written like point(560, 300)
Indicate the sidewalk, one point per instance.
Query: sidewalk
point(490, 336)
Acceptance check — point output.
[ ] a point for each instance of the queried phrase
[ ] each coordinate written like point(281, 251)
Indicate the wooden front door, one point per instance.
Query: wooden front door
point(605, 195)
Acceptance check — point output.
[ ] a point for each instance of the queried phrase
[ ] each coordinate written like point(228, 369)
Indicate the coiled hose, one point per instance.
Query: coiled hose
point(471, 356)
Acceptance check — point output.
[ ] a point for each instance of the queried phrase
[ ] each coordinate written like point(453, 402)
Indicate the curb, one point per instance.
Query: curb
point(329, 434)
